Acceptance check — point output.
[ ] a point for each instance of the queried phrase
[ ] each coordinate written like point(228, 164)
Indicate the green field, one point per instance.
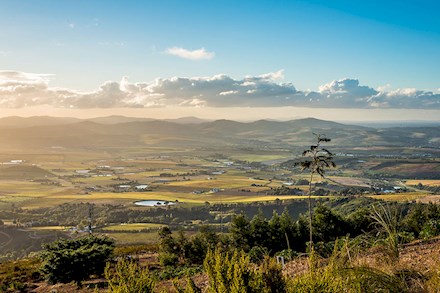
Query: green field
point(189, 176)
point(137, 238)
point(258, 158)
point(132, 227)
point(185, 181)
point(48, 228)
point(48, 190)
point(407, 196)
point(134, 238)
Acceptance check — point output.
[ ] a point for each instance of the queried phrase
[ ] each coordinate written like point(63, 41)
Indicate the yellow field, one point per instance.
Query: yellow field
point(258, 158)
point(48, 228)
point(133, 226)
point(234, 185)
point(407, 196)
point(27, 188)
point(138, 238)
point(51, 202)
point(424, 182)
point(168, 196)
point(219, 182)
point(20, 192)
point(350, 181)
point(134, 238)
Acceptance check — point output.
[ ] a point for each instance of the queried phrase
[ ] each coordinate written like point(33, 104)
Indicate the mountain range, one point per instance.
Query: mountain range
point(121, 131)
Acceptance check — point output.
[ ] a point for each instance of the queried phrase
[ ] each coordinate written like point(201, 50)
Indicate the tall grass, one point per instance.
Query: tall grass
point(386, 221)
point(339, 274)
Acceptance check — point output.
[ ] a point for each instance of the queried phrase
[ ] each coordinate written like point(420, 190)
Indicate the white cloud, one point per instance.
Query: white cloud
point(20, 89)
point(72, 25)
point(408, 98)
point(384, 88)
point(19, 77)
point(228, 93)
point(345, 93)
point(198, 54)
point(278, 75)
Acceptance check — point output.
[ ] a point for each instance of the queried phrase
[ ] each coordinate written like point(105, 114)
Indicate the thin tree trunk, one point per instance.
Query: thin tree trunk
point(310, 214)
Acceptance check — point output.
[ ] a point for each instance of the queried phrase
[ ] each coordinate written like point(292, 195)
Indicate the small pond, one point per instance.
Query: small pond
point(153, 203)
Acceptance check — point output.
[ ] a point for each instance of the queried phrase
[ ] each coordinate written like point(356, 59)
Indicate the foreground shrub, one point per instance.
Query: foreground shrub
point(127, 276)
point(65, 261)
point(168, 259)
point(340, 275)
point(15, 275)
point(171, 272)
point(257, 254)
point(270, 273)
point(190, 287)
point(234, 273)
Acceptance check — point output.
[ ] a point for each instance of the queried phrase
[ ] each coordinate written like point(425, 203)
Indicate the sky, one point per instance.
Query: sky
point(244, 60)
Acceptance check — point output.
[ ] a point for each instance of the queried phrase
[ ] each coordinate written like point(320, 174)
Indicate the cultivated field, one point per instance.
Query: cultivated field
point(44, 191)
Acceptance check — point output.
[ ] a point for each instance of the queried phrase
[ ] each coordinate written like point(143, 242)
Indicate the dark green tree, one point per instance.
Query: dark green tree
point(170, 248)
point(328, 224)
point(260, 230)
point(317, 160)
point(68, 260)
point(198, 245)
point(241, 232)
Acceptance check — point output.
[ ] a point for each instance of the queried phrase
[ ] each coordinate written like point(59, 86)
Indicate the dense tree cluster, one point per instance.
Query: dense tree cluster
point(284, 190)
point(260, 235)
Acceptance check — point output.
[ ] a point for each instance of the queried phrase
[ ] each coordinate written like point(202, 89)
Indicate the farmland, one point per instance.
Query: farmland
point(62, 182)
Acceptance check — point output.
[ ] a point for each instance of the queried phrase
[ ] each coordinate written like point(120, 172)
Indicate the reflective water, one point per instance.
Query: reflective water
point(152, 203)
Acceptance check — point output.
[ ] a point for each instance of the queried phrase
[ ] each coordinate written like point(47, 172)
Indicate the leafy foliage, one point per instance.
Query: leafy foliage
point(318, 159)
point(186, 250)
point(232, 272)
point(423, 220)
point(14, 275)
point(127, 276)
point(75, 260)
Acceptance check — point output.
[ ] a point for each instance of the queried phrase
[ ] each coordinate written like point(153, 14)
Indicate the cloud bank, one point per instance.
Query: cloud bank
point(20, 89)
point(198, 54)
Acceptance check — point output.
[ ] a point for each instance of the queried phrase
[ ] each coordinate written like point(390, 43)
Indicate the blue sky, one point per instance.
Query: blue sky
point(322, 47)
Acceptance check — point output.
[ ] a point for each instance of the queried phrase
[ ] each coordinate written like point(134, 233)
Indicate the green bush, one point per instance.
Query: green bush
point(430, 229)
point(287, 254)
point(270, 273)
point(234, 273)
point(128, 277)
point(14, 275)
point(171, 272)
point(168, 259)
point(75, 260)
point(257, 254)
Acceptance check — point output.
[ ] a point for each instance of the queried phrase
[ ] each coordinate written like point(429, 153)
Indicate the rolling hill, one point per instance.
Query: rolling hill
point(24, 172)
point(120, 131)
